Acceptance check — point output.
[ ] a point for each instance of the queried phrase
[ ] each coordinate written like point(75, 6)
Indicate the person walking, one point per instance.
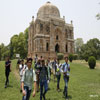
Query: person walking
point(37, 71)
point(27, 81)
point(58, 74)
point(22, 67)
point(54, 68)
point(43, 80)
point(66, 70)
point(7, 70)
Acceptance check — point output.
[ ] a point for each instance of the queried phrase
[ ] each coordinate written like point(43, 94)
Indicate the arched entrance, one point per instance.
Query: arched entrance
point(56, 48)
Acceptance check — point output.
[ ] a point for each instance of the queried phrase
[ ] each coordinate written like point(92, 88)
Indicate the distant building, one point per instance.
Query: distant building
point(49, 33)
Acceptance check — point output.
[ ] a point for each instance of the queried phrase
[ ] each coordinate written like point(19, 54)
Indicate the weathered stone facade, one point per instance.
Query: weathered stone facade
point(49, 33)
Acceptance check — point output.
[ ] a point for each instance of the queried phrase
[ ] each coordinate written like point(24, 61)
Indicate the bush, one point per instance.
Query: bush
point(75, 56)
point(70, 57)
point(92, 62)
point(60, 56)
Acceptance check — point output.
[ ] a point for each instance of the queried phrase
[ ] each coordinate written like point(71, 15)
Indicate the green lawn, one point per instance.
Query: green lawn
point(84, 84)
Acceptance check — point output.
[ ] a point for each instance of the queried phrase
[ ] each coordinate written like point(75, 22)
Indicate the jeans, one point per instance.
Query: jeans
point(66, 80)
point(43, 83)
point(28, 93)
point(58, 80)
point(7, 76)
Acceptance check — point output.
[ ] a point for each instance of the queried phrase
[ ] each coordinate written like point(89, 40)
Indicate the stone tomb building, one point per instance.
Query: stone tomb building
point(49, 33)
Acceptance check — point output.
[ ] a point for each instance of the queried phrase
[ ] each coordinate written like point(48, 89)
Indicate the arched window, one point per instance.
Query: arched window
point(66, 48)
point(66, 33)
point(57, 37)
point(47, 46)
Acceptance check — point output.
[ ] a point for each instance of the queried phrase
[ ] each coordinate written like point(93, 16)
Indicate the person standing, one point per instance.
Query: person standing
point(66, 70)
point(27, 81)
point(7, 70)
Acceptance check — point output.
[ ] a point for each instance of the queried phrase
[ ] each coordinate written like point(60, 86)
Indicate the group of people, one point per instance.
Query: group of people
point(40, 75)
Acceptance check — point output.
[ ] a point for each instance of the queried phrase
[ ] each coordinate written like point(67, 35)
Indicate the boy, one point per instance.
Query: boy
point(27, 81)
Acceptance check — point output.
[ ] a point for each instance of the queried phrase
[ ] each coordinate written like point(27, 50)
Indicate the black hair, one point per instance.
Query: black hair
point(22, 60)
point(29, 59)
point(66, 57)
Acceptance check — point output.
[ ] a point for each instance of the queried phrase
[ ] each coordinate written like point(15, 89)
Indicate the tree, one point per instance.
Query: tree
point(19, 44)
point(78, 44)
point(91, 48)
point(4, 51)
point(98, 16)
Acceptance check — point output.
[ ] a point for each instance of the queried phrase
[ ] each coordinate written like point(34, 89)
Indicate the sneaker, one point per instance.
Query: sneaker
point(58, 90)
point(63, 93)
point(5, 86)
point(44, 97)
point(67, 98)
point(21, 91)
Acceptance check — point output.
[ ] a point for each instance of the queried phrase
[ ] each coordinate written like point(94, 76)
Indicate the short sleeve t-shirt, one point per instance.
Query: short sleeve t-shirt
point(29, 77)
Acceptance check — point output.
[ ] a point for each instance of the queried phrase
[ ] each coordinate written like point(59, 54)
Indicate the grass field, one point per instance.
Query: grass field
point(84, 84)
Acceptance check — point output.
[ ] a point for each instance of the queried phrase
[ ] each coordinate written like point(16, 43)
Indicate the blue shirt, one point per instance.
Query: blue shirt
point(66, 68)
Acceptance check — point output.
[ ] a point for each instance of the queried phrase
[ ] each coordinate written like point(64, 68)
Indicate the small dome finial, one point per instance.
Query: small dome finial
point(33, 18)
point(48, 2)
point(71, 22)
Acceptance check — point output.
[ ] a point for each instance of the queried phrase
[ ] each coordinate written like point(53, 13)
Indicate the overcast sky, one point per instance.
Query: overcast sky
point(15, 16)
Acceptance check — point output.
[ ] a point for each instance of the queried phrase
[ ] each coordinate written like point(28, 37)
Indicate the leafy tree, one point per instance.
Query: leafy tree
point(98, 16)
point(78, 44)
point(4, 51)
point(91, 48)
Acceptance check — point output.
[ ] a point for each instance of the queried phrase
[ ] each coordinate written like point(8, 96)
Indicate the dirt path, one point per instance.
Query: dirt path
point(16, 73)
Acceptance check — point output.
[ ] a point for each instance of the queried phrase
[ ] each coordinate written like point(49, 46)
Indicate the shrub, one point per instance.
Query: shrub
point(60, 56)
point(92, 62)
point(75, 56)
point(70, 57)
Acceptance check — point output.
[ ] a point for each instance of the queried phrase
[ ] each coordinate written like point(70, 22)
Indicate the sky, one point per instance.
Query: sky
point(15, 16)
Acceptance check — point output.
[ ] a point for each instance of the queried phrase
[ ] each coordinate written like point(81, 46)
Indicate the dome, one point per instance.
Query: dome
point(48, 10)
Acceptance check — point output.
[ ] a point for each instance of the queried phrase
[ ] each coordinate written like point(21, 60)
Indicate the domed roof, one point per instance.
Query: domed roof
point(48, 10)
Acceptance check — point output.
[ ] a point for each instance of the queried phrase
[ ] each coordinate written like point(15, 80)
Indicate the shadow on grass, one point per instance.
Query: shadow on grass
point(9, 86)
point(69, 97)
